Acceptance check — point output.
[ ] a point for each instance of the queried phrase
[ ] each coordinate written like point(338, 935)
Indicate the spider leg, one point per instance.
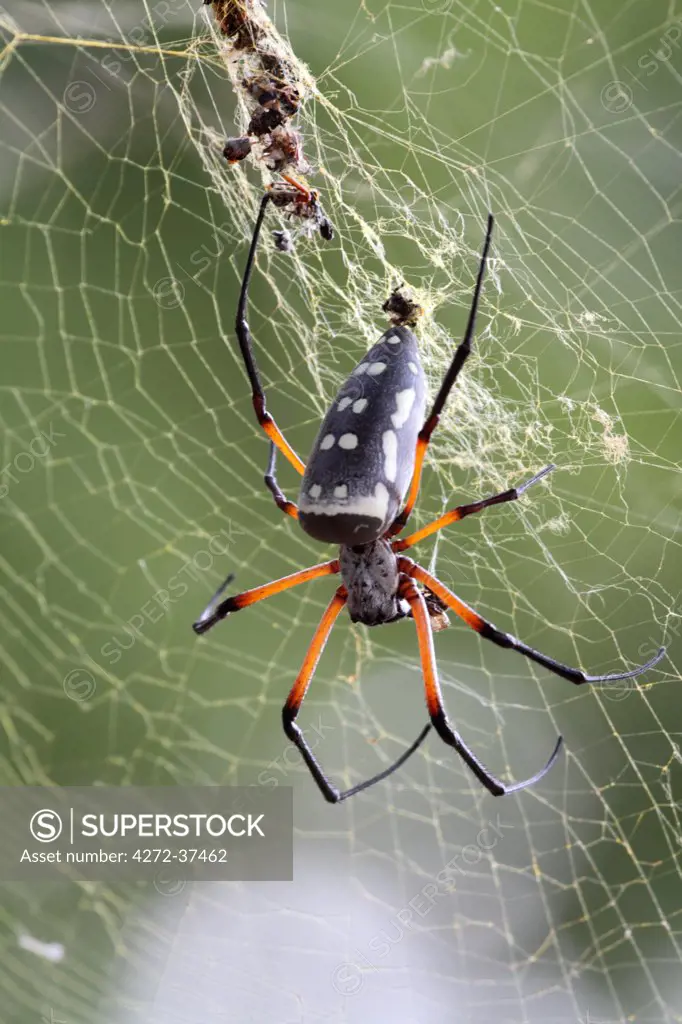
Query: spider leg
point(281, 500)
point(214, 613)
point(466, 510)
point(462, 353)
point(295, 699)
point(434, 703)
point(490, 632)
point(244, 337)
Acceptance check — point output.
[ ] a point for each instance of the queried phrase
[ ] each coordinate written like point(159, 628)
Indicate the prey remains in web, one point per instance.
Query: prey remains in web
point(359, 487)
point(271, 89)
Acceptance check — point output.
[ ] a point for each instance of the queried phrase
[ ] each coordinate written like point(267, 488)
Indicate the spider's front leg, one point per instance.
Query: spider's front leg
point(245, 344)
point(462, 353)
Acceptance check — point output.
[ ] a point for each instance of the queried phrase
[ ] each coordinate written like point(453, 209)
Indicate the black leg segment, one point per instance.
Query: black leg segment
point(245, 344)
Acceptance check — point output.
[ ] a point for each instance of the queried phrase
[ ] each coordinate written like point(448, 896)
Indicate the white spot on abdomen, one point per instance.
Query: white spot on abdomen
point(374, 369)
point(348, 441)
point(360, 405)
point(315, 491)
point(404, 401)
point(389, 442)
point(375, 505)
point(362, 368)
point(341, 491)
point(381, 498)
point(327, 442)
point(413, 368)
point(344, 403)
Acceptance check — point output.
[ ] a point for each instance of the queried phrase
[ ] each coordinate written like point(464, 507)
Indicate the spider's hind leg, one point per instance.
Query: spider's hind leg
point(293, 705)
point(436, 708)
point(488, 631)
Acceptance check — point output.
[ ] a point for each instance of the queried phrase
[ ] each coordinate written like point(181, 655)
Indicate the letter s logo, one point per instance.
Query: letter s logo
point(46, 825)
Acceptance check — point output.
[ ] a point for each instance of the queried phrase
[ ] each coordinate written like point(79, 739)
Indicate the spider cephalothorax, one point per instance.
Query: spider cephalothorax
point(366, 461)
point(372, 579)
point(370, 576)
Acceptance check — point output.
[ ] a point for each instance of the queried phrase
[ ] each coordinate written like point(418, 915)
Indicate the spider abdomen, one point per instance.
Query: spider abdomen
point(362, 460)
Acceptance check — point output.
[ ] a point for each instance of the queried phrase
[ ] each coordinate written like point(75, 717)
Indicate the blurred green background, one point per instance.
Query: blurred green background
point(132, 466)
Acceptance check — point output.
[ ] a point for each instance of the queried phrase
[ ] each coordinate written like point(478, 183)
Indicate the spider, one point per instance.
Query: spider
point(368, 455)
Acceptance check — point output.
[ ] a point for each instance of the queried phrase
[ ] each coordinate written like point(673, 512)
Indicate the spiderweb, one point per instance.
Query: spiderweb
point(133, 468)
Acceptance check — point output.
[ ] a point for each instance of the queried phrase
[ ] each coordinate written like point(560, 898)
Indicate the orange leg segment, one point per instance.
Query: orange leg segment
point(297, 185)
point(300, 687)
point(275, 434)
point(455, 514)
point(420, 613)
point(295, 699)
point(214, 614)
